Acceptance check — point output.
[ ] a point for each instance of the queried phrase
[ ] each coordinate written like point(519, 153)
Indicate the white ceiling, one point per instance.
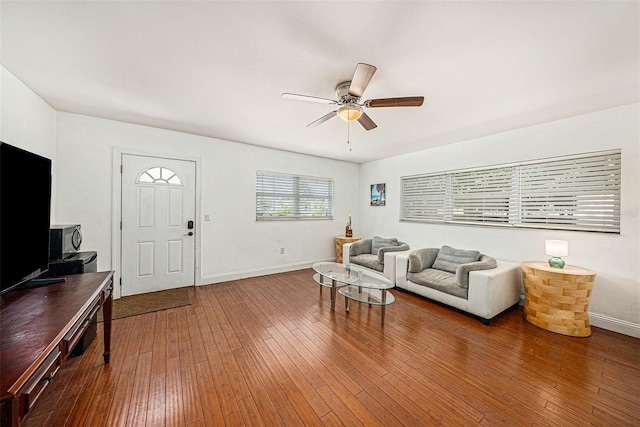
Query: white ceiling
point(219, 68)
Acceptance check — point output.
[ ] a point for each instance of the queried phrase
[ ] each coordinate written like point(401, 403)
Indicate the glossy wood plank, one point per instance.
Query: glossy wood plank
point(156, 405)
point(159, 350)
point(250, 412)
point(191, 401)
point(209, 395)
point(174, 408)
point(120, 400)
point(137, 415)
point(269, 351)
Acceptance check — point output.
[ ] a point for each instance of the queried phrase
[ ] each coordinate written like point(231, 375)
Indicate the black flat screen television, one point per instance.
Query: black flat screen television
point(25, 215)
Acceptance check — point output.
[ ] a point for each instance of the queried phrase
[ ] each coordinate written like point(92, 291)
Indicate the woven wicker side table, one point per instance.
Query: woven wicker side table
point(341, 241)
point(557, 299)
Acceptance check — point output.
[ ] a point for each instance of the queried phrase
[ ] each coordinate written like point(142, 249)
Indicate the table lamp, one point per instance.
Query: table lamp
point(557, 249)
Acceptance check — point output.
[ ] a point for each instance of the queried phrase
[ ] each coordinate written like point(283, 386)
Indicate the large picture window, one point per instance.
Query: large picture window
point(580, 192)
point(293, 197)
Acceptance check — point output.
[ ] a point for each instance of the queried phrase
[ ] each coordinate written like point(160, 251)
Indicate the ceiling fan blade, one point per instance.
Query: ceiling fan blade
point(297, 97)
point(322, 119)
point(409, 101)
point(361, 78)
point(366, 122)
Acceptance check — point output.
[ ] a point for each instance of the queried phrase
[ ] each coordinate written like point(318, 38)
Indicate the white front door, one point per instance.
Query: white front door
point(158, 224)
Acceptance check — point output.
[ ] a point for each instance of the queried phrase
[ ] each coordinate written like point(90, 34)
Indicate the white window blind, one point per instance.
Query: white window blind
point(480, 196)
point(579, 192)
point(293, 197)
point(423, 198)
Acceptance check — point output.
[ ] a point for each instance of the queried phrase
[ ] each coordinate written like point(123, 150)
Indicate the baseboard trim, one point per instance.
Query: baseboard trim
point(245, 274)
point(615, 325)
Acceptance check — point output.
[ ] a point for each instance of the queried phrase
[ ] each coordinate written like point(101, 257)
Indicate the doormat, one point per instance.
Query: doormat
point(147, 303)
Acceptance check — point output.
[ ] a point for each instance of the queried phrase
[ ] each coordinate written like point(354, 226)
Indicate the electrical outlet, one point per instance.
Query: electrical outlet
point(281, 251)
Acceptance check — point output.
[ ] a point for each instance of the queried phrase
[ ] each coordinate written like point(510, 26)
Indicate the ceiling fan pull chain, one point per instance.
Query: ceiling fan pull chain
point(349, 135)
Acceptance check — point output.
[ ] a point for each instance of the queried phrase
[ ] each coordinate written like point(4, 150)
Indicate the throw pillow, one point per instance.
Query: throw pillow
point(449, 258)
point(380, 242)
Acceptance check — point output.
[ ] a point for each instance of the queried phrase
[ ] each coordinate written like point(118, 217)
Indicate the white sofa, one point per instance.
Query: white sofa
point(383, 261)
point(488, 293)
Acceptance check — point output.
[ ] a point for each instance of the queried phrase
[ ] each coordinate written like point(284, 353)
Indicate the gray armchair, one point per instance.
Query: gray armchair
point(377, 254)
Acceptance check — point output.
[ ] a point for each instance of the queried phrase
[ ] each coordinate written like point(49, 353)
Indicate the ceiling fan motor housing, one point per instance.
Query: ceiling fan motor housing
point(342, 93)
point(350, 109)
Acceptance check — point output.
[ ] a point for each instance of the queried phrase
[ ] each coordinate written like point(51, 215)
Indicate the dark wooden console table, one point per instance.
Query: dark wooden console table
point(39, 327)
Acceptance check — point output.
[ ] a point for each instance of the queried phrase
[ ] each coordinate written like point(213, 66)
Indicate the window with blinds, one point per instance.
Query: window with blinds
point(580, 192)
point(480, 196)
point(293, 197)
point(423, 198)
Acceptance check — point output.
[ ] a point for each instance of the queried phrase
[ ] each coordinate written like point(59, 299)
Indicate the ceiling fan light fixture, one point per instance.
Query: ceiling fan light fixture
point(350, 112)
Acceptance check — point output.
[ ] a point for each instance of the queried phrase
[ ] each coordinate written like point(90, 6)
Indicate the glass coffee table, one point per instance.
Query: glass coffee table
point(354, 284)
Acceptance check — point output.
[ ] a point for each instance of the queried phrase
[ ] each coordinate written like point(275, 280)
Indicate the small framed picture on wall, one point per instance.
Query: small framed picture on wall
point(378, 194)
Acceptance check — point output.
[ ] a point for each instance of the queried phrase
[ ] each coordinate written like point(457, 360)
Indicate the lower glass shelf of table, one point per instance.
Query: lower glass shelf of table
point(379, 297)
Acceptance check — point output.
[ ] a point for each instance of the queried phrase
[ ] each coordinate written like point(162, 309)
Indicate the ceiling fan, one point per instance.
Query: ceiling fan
point(349, 94)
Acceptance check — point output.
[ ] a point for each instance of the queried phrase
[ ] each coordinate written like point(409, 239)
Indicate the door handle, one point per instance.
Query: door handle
point(189, 233)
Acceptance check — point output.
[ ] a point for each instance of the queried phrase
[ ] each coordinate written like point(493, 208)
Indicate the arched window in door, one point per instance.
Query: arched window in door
point(159, 175)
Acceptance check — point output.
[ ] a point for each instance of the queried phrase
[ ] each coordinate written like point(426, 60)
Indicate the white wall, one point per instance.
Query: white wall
point(26, 121)
point(615, 302)
point(233, 244)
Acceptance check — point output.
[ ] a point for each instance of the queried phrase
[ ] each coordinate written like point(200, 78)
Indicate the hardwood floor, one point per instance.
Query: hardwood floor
point(269, 351)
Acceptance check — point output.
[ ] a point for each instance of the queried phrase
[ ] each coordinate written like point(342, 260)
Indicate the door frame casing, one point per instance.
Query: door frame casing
point(116, 212)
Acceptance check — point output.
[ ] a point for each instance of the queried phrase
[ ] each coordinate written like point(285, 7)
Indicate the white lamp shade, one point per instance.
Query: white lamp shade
point(557, 247)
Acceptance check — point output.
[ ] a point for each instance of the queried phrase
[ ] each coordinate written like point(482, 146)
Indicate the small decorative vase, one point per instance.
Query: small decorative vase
point(348, 232)
point(556, 262)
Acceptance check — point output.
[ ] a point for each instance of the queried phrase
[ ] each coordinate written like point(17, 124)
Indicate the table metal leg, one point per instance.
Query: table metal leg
point(384, 301)
point(346, 304)
point(333, 294)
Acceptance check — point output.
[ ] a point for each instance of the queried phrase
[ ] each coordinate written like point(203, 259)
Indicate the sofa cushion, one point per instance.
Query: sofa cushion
point(484, 263)
point(440, 280)
point(367, 260)
point(360, 247)
point(420, 259)
point(449, 258)
point(380, 242)
point(386, 249)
